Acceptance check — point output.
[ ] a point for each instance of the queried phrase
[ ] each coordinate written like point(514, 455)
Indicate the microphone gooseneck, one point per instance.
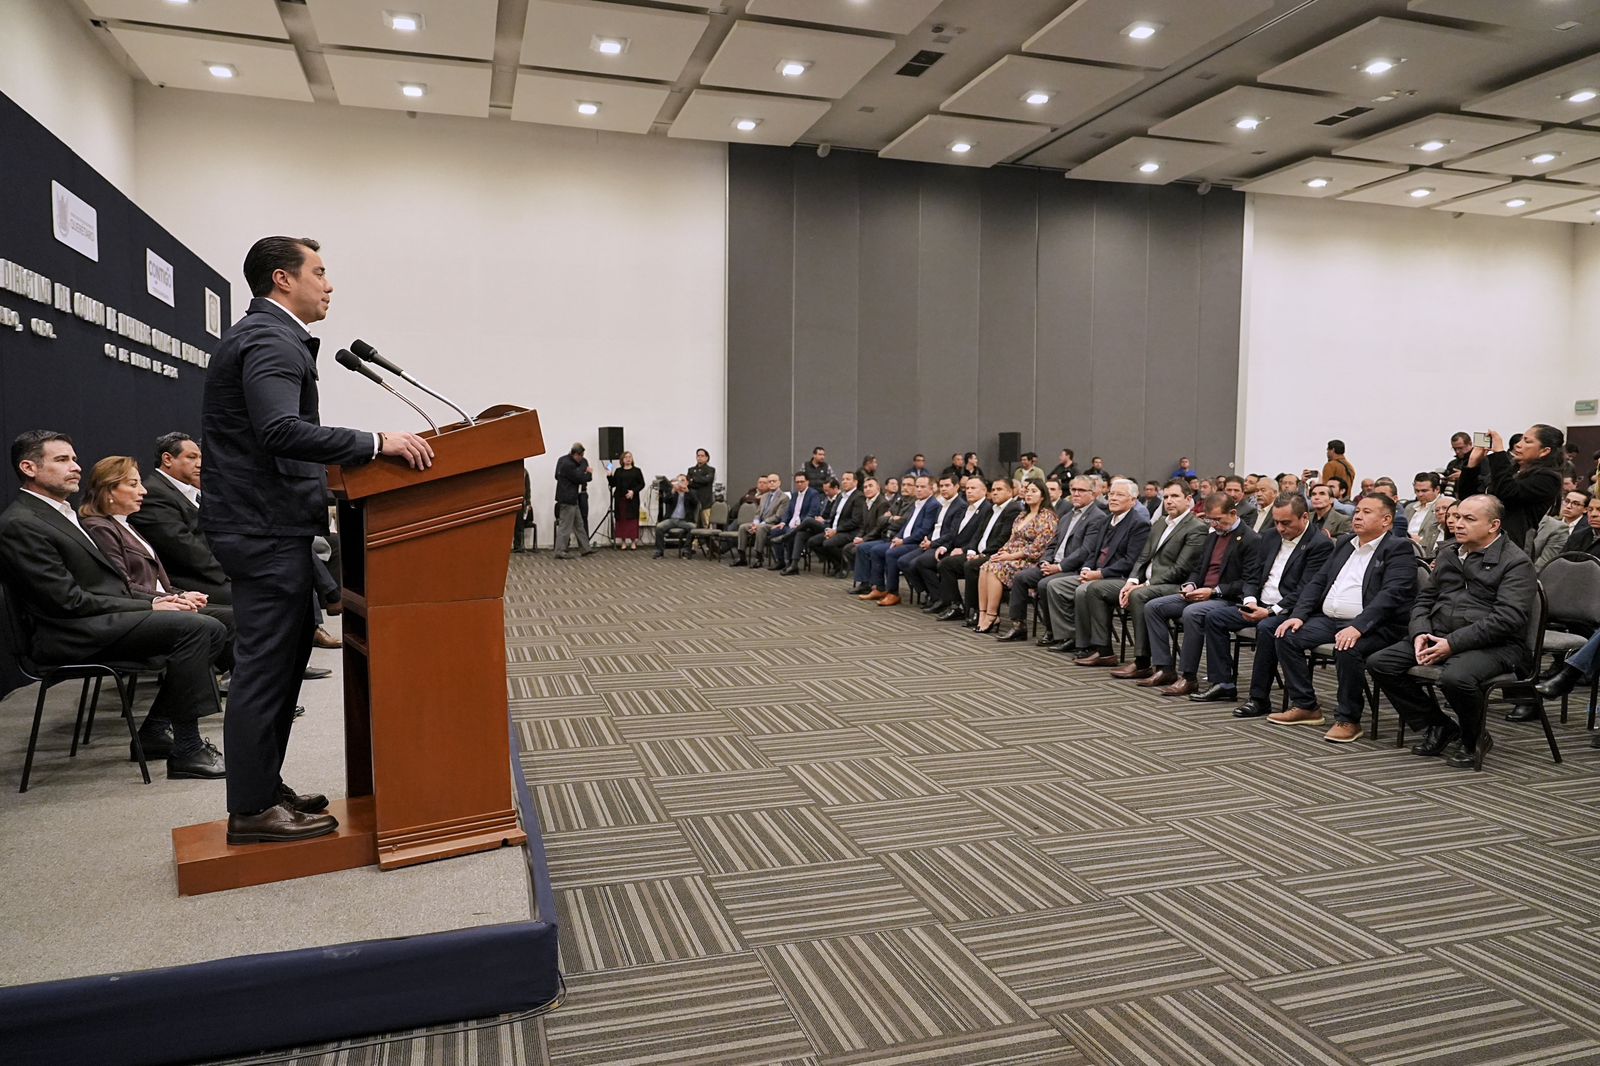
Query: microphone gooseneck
point(349, 361)
point(369, 354)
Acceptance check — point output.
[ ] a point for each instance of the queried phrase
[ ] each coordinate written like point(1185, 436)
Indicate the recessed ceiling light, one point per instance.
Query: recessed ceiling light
point(1318, 183)
point(403, 21)
point(415, 90)
point(1149, 167)
point(961, 147)
point(1380, 66)
point(222, 70)
point(1248, 122)
point(1543, 157)
point(793, 68)
point(588, 107)
point(180, 3)
point(1036, 98)
point(1141, 31)
point(1430, 146)
point(1516, 202)
point(745, 125)
point(609, 46)
point(1420, 194)
point(1582, 96)
point(1596, 212)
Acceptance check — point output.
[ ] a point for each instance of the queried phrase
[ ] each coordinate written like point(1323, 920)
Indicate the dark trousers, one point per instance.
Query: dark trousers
point(828, 545)
point(1350, 667)
point(951, 569)
point(1023, 582)
point(783, 543)
point(894, 563)
point(1584, 659)
point(1264, 668)
point(272, 586)
point(188, 645)
point(871, 558)
point(913, 570)
point(1461, 681)
point(923, 575)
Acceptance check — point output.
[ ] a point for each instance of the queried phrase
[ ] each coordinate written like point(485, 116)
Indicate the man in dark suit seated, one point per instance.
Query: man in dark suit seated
point(960, 531)
point(1111, 555)
point(1076, 534)
point(170, 519)
point(1228, 569)
point(1470, 621)
point(952, 505)
point(83, 610)
point(679, 512)
point(1585, 536)
point(885, 574)
point(832, 500)
point(804, 505)
point(1359, 602)
point(874, 526)
point(1291, 553)
point(958, 572)
point(844, 523)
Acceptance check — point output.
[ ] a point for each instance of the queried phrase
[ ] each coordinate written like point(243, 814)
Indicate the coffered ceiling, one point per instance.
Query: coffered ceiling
point(1481, 102)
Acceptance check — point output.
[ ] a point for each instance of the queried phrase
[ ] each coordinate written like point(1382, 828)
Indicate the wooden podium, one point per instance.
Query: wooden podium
point(427, 748)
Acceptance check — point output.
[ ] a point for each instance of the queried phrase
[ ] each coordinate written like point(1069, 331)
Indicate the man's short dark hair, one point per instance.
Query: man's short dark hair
point(171, 444)
point(29, 447)
point(831, 483)
point(1292, 500)
point(802, 475)
point(1336, 447)
point(1068, 453)
point(914, 458)
point(1029, 455)
point(981, 480)
point(1461, 435)
point(1343, 484)
point(1054, 481)
point(1231, 478)
point(946, 477)
point(1389, 505)
point(1427, 475)
point(1181, 482)
point(818, 448)
point(1220, 501)
point(271, 254)
point(1005, 481)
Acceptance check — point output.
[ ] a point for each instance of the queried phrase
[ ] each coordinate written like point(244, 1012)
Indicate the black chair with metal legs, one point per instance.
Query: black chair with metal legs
point(17, 634)
point(1572, 589)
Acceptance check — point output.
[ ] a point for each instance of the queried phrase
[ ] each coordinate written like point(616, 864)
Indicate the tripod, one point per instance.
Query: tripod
point(609, 522)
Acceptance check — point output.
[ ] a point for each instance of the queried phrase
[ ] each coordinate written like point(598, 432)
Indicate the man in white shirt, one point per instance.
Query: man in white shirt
point(1422, 526)
point(170, 519)
point(1359, 602)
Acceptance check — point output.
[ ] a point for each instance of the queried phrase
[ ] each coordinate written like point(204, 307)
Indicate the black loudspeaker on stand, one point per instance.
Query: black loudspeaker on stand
point(1010, 450)
point(611, 443)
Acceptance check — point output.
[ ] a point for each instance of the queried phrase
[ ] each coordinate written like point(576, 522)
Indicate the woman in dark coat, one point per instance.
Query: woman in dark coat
point(1526, 480)
point(627, 488)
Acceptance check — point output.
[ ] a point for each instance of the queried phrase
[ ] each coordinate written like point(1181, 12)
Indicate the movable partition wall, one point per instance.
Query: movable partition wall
point(107, 321)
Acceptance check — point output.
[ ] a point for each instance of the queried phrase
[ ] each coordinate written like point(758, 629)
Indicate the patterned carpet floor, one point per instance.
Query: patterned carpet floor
point(785, 827)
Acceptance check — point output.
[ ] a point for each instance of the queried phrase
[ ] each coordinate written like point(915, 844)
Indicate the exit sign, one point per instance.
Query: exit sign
point(1586, 407)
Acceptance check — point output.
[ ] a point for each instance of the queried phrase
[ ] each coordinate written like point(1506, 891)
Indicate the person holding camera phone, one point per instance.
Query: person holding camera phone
point(1526, 478)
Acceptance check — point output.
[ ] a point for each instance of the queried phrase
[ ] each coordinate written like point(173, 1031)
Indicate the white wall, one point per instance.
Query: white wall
point(580, 274)
point(51, 64)
point(1393, 327)
point(1581, 379)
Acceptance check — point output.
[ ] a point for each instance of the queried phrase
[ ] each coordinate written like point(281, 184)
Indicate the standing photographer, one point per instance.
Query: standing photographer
point(572, 486)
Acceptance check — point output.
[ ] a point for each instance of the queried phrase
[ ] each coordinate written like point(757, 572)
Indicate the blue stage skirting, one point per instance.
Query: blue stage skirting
point(288, 999)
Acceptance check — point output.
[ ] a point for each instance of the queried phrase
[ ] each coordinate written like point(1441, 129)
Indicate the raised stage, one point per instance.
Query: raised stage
point(88, 888)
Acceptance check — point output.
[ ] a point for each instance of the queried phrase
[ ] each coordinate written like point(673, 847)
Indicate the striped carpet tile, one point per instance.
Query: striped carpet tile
point(1531, 873)
point(724, 1010)
point(582, 764)
point(1101, 759)
point(1052, 808)
point(1256, 929)
point(628, 853)
point(606, 804)
point(774, 837)
point(986, 879)
point(1282, 843)
point(852, 781)
point(980, 768)
point(930, 736)
point(550, 734)
point(644, 701)
point(673, 726)
point(1180, 794)
point(783, 718)
point(1142, 859)
point(827, 899)
point(817, 745)
point(684, 756)
point(918, 822)
point(1024, 730)
point(873, 990)
point(1196, 1027)
point(1027, 1044)
point(1296, 782)
point(724, 793)
point(1556, 968)
point(1099, 953)
point(1521, 810)
point(1212, 748)
point(1410, 825)
point(1417, 1010)
point(634, 923)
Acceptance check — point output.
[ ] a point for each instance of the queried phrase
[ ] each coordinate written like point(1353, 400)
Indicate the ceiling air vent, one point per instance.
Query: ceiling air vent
point(1345, 116)
point(918, 64)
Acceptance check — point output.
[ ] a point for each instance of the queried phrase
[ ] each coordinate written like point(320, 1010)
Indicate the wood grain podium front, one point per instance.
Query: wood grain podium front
point(427, 746)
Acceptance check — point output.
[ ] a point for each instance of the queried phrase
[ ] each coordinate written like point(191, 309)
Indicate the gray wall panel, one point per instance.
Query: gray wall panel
point(897, 307)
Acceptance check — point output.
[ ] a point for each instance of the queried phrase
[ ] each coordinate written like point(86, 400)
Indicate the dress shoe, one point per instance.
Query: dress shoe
point(278, 824)
point(953, 614)
point(770, 566)
point(1159, 679)
point(1095, 658)
point(1435, 739)
point(317, 673)
point(1047, 640)
point(155, 737)
point(309, 803)
point(1181, 687)
point(588, 552)
point(875, 594)
point(1297, 716)
point(737, 563)
point(1132, 672)
point(568, 555)
point(1216, 694)
point(1559, 685)
point(936, 607)
point(1251, 709)
point(1342, 733)
point(205, 763)
point(1464, 757)
point(972, 620)
point(858, 590)
point(1594, 741)
point(1523, 712)
point(298, 711)
point(788, 571)
point(323, 639)
point(890, 600)
point(1016, 632)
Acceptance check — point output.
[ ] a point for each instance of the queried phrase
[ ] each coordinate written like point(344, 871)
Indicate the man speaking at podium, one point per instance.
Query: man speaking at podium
point(264, 500)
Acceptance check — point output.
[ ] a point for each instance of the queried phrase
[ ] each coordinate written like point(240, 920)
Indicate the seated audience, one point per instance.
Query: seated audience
point(170, 519)
point(682, 510)
point(804, 505)
point(1578, 669)
point(1077, 531)
point(1340, 489)
point(1032, 530)
point(1470, 622)
point(1423, 525)
point(958, 572)
point(702, 482)
point(1266, 495)
point(1325, 518)
point(952, 506)
point(960, 531)
point(919, 467)
point(770, 503)
point(1227, 570)
point(1030, 470)
point(1232, 486)
point(832, 493)
point(957, 468)
point(1097, 468)
point(1151, 499)
point(82, 609)
point(1288, 483)
point(1170, 551)
point(1055, 496)
point(874, 526)
point(878, 563)
point(1585, 538)
point(1185, 470)
point(868, 468)
point(842, 524)
point(1526, 479)
point(1461, 450)
point(1359, 602)
point(970, 465)
point(1111, 555)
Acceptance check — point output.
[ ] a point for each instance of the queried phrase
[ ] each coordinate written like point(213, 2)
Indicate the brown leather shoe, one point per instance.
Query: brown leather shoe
point(1097, 660)
point(278, 824)
point(1131, 672)
point(875, 594)
point(323, 639)
point(308, 803)
point(1342, 733)
point(1182, 687)
point(890, 600)
point(1296, 716)
point(1159, 678)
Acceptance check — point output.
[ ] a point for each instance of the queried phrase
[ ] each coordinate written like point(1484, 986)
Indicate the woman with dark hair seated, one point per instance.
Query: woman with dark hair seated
point(116, 491)
point(1030, 536)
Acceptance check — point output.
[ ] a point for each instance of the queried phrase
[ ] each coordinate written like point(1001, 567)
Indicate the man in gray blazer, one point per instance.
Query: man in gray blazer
point(1172, 550)
point(769, 512)
point(1078, 529)
point(1325, 517)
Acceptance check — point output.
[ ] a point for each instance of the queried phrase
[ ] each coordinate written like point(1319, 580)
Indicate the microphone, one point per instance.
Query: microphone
point(367, 353)
point(348, 360)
